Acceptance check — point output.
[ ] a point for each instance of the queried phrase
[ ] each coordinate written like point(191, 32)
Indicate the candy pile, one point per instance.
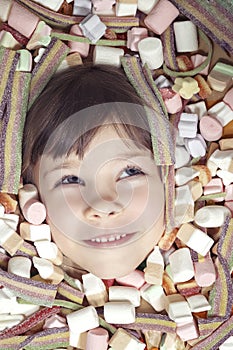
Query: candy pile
point(182, 296)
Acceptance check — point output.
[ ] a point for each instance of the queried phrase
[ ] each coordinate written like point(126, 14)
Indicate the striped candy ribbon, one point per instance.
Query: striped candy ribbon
point(214, 18)
point(118, 24)
point(169, 51)
point(70, 293)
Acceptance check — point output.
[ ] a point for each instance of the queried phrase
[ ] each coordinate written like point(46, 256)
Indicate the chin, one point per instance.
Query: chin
point(112, 273)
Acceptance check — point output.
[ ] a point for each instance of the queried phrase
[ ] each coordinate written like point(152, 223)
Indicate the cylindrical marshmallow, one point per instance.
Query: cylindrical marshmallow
point(97, 338)
point(35, 232)
point(196, 146)
point(185, 174)
point(151, 52)
point(146, 6)
point(161, 16)
point(49, 250)
point(198, 303)
point(126, 8)
point(75, 46)
point(222, 112)
point(8, 321)
point(134, 35)
point(95, 289)
point(210, 128)
point(182, 157)
point(124, 340)
point(178, 309)
point(134, 279)
point(187, 125)
point(47, 270)
point(20, 265)
point(119, 312)
point(213, 187)
point(107, 55)
point(211, 216)
point(185, 36)
point(83, 320)
point(154, 295)
point(181, 265)
point(121, 293)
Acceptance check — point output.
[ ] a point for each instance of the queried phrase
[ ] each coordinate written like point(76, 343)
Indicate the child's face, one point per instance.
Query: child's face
point(105, 210)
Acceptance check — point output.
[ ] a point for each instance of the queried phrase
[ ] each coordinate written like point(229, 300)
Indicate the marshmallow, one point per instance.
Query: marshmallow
point(172, 100)
point(187, 330)
point(229, 205)
point(9, 239)
point(92, 27)
point(83, 320)
point(155, 267)
point(77, 339)
point(168, 284)
point(119, 312)
point(187, 125)
point(107, 55)
point(94, 289)
point(229, 193)
point(222, 112)
point(184, 205)
point(197, 60)
point(227, 345)
point(205, 174)
point(47, 270)
point(213, 187)
point(25, 61)
point(22, 20)
point(120, 293)
point(178, 308)
point(171, 342)
point(186, 87)
point(103, 6)
point(146, 6)
point(8, 41)
point(134, 35)
point(97, 338)
point(198, 303)
point(211, 216)
point(134, 279)
point(8, 321)
point(82, 7)
point(162, 82)
point(226, 144)
point(182, 157)
point(220, 76)
point(223, 159)
point(196, 146)
point(52, 5)
point(184, 175)
point(40, 37)
point(34, 232)
point(12, 220)
point(49, 250)
point(228, 98)
point(211, 129)
point(185, 36)
point(33, 210)
point(226, 176)
point(126, 7)
point(152, 338)
point(20, 265)
point(54, 321)
point(5, 9)
point(121, 340)
point(151, 52)
point(188, 288)
point(195, 239)
point(75, 46)
point(181, 272)
point(198, 108)
point(154, 295)
point(161, 16)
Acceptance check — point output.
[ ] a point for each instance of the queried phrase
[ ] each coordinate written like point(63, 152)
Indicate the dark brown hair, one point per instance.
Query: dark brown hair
point(76, 103)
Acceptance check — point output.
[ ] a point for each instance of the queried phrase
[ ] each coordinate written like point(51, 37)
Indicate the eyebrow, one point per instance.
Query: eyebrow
point(63, 165)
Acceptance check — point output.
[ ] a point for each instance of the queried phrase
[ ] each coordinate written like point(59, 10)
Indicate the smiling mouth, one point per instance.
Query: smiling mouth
point(108, 241)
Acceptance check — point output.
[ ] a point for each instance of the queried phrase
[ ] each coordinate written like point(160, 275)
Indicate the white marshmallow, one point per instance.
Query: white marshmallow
point(126, 8)
point(92, 27)
point(178, 308)
point(49, 250)
point(155, 267)
point(12, 220)
point(223, 159)
point(82, 7)
point(151, 52)
point(211, 216)
point(154, 295)
point(107, 55)
point(198, 303)
point(5, 10)
point(8, 321)
point(47, 270)
point(146, 6)
point(195, 239)
point(83, 320)
point(20, 265)
point(122, 340)
point(94, 289)
point(187, 125)
point(196, 146)
point(226, 176)
point(184, 205)
point(35, 233)
point(119, 312)
point(182, 157)
point(181, 265)
point(227, 345)
point(185, 174)
point(121, 293)
point(222, 112)
point(53, 5)
point(162, 82)
point(185, 36)
point(198, 108)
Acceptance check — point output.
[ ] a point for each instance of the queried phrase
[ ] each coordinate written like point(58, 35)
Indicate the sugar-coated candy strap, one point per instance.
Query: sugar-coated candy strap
point(46, 67)
point(70, 293)
point(169, 51)
point(35, 292)
point(196, 70)
point(207, 326)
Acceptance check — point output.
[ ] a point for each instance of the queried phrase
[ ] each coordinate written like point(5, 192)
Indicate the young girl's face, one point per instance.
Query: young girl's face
point(105, 210)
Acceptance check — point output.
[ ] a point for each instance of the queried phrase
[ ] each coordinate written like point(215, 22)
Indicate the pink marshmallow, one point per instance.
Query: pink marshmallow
point(204, 272)
point(172, 100)
point(34, 212)
point(228, 98)
point(134, 279)
point(229, 205)
point(214, 186)
point(22, 20)
point(197, 60)
point(97, 338)
point(187, 331)
point(210, 128)
point(229, 193)
point(161, 16)
point(102, 5)
point(81, 48)
point(134, 35)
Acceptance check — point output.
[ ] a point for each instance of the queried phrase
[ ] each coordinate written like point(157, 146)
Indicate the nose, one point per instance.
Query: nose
point(102, 210)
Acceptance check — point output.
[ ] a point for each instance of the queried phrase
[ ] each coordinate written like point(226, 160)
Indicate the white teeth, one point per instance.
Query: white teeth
point(105, 239)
